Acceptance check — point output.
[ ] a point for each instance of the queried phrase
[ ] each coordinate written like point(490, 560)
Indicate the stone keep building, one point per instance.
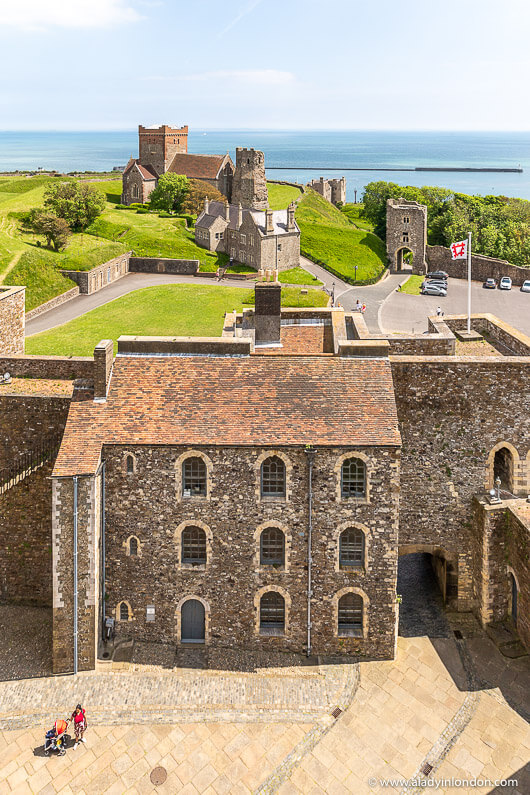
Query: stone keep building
point(267, 239)
point(187, 467)
point(250, 184)
point(334, 190)
point(165, 148)
point(406, 231)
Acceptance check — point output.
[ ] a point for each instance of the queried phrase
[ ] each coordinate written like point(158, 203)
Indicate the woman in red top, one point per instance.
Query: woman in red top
point(80, 724)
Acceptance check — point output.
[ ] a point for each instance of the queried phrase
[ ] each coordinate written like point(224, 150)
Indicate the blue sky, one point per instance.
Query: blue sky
point(300, 64)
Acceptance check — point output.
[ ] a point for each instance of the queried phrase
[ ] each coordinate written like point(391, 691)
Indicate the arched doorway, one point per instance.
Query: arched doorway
point(427, 582)
point(503, 468)
point(513, 598)
point(404, 260)
point(192, 616)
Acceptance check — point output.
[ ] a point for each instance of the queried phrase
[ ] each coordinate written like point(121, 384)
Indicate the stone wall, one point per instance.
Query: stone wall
point(406, 230)
point(492, 329)
point(54, 367)
point(453, 412)
point(12, 320)
point(482, 268)
point(52, 303)
point(148, 505)
point(27, 422)
point(93, 280)
point(184, 267)
point(25, 541)
point(249, 185)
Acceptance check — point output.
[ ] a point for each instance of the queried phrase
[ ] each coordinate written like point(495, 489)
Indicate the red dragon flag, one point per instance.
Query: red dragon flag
point(459, 250)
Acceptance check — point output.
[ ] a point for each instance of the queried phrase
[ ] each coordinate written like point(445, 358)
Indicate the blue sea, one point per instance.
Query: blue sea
point(318, 150)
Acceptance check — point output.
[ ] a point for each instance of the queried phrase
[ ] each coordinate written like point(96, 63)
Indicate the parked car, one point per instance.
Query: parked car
point(437, 282)
point(505, 283)
point(438, 275)
point(434, 289)
point(525, 287)
point(490, 284)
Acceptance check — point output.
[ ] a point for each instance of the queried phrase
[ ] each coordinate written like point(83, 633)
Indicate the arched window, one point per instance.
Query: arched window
point(124, 611)
point(129, 464)
point(353, 478)
point(272, 614)
point(134, 191)
point(272, 547)
point(351, 548)
point(194, 546)
point(194, 477)
point(133, 546)
point(350, 615)
point(503, 468)
point(273, 477)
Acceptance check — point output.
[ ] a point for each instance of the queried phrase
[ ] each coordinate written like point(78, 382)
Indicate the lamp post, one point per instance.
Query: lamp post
point(333, 294)
point(355, 266)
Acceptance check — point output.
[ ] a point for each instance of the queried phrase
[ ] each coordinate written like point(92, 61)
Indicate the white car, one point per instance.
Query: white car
point(505, 283)
point(525, 287)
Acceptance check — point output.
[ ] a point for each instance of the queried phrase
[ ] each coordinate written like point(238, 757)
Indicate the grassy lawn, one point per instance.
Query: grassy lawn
point(353, 213)
point(280, 196)
point(172, 309)
point(298, 276)
point(330, 239)
point(412, 285)
point(113, 233)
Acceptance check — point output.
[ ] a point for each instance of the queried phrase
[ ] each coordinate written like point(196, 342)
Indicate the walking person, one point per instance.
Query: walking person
point(80, 724)
point(439, 311)
point(358, 306)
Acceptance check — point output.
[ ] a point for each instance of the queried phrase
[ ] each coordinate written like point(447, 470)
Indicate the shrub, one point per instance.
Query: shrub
point(189, 219)
point(164, 214)
point(142, 210)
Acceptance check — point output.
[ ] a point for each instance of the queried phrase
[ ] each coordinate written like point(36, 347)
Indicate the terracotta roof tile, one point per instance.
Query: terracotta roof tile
point(197, 166)
point(240, 401)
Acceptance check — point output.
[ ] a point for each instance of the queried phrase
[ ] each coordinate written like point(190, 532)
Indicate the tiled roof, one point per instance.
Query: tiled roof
point(147, 172)
point(216, 209)
point(197, 166)
point(241, 401)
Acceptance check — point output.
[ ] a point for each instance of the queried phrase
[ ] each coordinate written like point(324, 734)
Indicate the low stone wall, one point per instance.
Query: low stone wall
point(482, 268)
point(12, 319)
point(492, 328)
point(93, 280)
point(182, 267)
point(53, 303)
point(55, 367)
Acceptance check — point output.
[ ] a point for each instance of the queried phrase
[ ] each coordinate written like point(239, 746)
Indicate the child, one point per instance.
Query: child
point(80, 724)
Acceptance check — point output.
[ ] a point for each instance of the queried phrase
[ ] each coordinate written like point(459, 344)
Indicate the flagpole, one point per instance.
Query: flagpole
point(469, 282)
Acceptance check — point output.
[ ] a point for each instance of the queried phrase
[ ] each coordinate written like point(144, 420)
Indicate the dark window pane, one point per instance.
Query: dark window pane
point(272, 614)
point(351, 548)
point(193, 477)
point(130, 464)
point(133, 546)
point(193, 545)
point(124, 612)
point(272, 547)
point(273, 477)
point(351, 615)
point(353, 478)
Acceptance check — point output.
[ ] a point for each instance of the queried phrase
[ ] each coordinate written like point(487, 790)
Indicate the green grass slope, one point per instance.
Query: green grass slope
point(330, 239)
point(171, 309)
point(354, 214)
point(281, 196)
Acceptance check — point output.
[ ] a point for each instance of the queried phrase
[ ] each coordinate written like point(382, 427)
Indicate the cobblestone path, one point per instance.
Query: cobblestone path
point(421, 611)
point(165, 697)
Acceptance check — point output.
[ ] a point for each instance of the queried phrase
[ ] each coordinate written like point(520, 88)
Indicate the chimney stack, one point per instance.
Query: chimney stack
point(269, 225)
point(103, 358)
point(227, 212)
point(267, 313)
point(206, 205)
point(239, 215)
point(290, 218)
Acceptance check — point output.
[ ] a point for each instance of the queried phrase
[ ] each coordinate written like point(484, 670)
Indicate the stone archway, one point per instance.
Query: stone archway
point(403, 260)
point(427, 583)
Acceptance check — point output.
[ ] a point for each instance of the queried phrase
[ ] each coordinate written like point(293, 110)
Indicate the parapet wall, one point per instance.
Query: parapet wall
point(482, 267)
point(29, 421)
point(184, 267)
point(12, 322)
point(55, 367)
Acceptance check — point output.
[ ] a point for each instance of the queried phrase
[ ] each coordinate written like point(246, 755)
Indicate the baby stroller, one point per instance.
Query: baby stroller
point(56, 738)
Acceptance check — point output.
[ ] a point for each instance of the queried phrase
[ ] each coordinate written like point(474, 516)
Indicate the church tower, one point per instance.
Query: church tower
point(249, 187)
point(159, 145)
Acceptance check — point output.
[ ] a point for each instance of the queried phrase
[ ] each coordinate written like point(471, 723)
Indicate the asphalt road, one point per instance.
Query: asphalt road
point(402, 312)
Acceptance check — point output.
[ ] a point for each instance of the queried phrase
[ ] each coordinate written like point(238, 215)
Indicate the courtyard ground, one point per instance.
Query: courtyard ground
point(454, 704)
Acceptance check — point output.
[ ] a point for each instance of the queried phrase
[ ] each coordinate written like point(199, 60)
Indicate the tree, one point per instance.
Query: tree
point(170, 192)
point(197, 193)
point(55, 230)
point(77, 202)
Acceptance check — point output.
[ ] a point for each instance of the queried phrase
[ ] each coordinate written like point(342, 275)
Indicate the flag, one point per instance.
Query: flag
point(459, 250)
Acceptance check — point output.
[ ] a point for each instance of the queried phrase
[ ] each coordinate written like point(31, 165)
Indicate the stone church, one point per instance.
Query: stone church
point(256, 490)
point(245, 228)
point(164, 148)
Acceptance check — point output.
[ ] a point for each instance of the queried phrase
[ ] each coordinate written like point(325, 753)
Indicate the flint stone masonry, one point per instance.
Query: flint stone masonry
point(55, 367)
point(12, 324)
point(249, 187)
point(491, 328)
point(146, 504)
point(25, 540)
point(267, 313)
point(103, 358)
point(452, 412)
point(93, 280)
point(406, 230)
point(482, 267)
point(179, 345)
point(184, 267)
point(26, 422)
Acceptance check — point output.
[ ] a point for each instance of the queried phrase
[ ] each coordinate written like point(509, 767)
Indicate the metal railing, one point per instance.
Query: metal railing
point(26, 463)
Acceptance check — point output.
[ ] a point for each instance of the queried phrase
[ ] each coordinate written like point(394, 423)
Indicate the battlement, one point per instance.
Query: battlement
point(162, 129)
